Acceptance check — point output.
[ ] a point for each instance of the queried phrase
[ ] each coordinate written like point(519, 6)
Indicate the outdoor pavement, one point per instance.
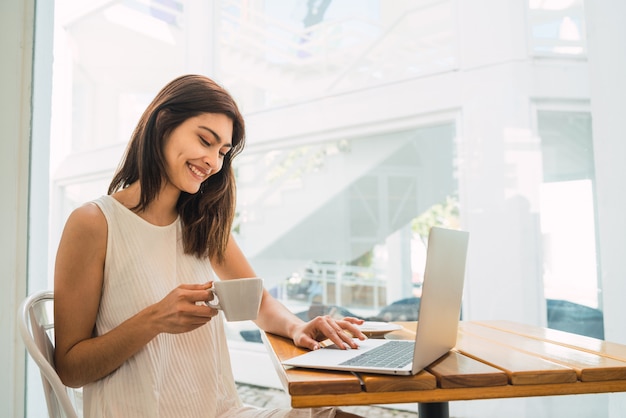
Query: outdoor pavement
point(275, 398)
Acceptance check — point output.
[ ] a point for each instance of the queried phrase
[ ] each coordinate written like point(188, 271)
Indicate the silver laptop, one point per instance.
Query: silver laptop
point(438, 320)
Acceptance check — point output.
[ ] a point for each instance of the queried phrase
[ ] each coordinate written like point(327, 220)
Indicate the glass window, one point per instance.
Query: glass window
point(313, 49)
point(557, 27)
point(568, 222)
point(318, 216)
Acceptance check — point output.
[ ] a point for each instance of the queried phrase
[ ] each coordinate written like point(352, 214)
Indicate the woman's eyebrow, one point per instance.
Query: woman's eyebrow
point(216, 136)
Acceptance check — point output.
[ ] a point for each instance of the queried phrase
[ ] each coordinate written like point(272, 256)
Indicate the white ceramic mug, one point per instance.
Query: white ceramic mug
point(239, 299)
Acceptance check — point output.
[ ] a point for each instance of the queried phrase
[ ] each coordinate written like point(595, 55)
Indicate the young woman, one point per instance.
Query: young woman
point(132, 266)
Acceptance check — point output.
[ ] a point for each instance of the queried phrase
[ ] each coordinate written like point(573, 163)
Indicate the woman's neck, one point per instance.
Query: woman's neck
point(161, 211)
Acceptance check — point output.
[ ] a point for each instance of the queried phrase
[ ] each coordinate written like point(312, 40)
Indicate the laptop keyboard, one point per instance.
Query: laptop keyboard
point(393, 354)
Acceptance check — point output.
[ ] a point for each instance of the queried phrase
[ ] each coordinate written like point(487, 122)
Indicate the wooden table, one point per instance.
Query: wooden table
point(492, 359)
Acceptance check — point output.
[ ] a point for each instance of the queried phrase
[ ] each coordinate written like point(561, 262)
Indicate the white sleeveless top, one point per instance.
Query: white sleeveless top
point(175, 375)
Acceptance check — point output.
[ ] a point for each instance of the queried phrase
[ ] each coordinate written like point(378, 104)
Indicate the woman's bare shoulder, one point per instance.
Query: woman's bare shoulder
point(87, 220)
point(82, 250)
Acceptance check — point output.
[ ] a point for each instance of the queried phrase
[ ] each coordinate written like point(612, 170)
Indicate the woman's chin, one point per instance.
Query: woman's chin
point(191, 189)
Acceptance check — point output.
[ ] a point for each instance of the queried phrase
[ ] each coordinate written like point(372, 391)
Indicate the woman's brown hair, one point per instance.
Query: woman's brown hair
point(206, 216)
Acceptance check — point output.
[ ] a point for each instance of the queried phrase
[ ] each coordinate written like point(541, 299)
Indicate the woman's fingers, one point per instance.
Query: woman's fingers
point(338, 332)
point(184, 308)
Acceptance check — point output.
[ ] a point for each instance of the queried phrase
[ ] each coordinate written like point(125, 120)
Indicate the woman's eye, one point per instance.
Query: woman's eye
point(222, 152)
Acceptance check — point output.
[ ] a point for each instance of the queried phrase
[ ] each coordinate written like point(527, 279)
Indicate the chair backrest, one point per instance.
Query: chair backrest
point(36, 325)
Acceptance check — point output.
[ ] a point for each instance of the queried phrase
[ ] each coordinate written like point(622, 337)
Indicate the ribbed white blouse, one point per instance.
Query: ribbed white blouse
point(175, 375)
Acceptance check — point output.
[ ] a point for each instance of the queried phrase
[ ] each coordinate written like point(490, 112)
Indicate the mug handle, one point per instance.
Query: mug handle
point(215, 302)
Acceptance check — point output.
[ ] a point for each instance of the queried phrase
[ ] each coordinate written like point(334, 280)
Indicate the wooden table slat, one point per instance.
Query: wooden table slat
point(580, 342)
point(589, 366)
point(521, 368)
point(307, 382)
point(455, 370)
point(385, 383)
point(461, 394)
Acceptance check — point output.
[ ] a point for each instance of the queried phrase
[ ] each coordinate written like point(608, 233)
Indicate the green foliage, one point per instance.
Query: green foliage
point(444, 214)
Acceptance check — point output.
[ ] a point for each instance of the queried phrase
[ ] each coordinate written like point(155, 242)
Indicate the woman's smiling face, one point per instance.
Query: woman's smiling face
point(195, 150)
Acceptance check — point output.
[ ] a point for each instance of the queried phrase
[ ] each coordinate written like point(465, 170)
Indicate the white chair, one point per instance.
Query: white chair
point(36, 324)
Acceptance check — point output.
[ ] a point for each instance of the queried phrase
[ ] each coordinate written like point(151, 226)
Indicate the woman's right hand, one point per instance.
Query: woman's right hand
point(183, 309)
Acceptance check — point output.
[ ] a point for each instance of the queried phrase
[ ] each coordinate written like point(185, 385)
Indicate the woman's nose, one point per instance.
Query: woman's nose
point(213, 161)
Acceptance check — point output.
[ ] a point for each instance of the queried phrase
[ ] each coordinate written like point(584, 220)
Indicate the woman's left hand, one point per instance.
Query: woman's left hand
point(340, 331)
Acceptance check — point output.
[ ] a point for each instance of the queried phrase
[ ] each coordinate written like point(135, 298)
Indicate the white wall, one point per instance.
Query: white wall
point(607, 40)
point(16, 34)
